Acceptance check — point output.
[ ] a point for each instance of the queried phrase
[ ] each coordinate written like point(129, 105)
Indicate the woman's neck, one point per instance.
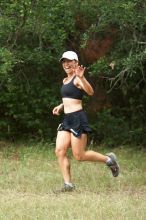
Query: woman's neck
point(69, 76)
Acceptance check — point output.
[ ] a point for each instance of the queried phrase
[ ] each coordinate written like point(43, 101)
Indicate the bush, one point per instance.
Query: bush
point(113, 131)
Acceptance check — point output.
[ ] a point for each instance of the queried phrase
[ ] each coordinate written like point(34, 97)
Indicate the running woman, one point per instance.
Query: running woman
point(73, 130)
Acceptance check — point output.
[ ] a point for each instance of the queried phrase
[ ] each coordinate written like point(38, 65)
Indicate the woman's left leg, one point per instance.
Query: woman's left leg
point(79, 152)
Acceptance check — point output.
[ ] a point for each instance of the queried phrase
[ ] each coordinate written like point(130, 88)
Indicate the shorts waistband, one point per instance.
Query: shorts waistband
point(74, 112)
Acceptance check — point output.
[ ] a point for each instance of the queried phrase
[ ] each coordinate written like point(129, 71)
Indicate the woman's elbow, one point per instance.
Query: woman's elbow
point(91, 93)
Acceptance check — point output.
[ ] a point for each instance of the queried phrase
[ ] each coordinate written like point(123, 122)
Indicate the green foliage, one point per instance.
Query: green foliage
point(33, 35)
point(7, 61)
point(128, 53)
point(109, 130)
point(113, 131)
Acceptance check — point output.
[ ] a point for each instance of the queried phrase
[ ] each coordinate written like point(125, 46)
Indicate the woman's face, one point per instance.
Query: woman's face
point(69, 66)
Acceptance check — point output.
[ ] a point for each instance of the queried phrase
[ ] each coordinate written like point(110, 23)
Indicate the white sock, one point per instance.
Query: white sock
point(70, 184)
point(108, 160)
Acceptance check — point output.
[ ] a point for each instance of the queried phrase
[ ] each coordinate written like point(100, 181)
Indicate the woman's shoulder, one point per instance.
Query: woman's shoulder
point(77, 82)
point(64, 80)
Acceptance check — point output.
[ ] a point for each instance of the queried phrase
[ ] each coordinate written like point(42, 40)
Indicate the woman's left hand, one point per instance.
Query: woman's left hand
point(80, 71)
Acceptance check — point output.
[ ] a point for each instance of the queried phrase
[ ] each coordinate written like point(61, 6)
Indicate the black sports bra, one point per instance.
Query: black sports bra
point(69, 90)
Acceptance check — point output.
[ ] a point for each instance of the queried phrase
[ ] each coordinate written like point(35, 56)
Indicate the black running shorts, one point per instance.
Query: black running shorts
point(75, 122)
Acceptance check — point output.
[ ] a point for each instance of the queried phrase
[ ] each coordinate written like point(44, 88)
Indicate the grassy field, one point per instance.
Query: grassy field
point(29, 175)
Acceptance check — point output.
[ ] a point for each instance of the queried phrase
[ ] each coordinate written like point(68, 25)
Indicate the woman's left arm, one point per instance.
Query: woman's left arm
point(82, 82)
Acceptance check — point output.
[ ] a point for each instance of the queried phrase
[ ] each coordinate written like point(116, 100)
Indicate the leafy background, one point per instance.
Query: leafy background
point(109, 37)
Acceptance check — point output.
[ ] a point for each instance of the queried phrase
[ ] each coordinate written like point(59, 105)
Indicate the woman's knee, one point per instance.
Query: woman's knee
point(78, 156)
point(60, 152)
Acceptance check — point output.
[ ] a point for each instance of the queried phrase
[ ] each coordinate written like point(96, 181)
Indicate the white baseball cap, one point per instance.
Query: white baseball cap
point(70, 55)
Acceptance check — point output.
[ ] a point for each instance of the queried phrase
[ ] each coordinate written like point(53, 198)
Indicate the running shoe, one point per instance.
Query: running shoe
point(113, 164)
point(68, 187)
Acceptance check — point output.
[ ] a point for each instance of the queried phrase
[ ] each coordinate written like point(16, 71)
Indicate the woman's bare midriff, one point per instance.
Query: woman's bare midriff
point(71, 105)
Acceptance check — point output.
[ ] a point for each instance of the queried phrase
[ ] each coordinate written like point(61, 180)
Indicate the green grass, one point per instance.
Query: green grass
point(29, 174)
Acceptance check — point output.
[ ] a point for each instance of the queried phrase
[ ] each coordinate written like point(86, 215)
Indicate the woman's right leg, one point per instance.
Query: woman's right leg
point(63, 142)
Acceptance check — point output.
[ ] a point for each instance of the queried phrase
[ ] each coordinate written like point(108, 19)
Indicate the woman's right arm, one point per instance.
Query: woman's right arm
point(58, 109)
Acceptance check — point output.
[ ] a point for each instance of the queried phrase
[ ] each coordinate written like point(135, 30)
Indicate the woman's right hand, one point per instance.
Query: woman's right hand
point(57, 109)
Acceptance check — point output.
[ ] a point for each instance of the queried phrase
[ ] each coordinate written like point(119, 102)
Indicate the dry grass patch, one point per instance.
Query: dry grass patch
point(29, 175)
